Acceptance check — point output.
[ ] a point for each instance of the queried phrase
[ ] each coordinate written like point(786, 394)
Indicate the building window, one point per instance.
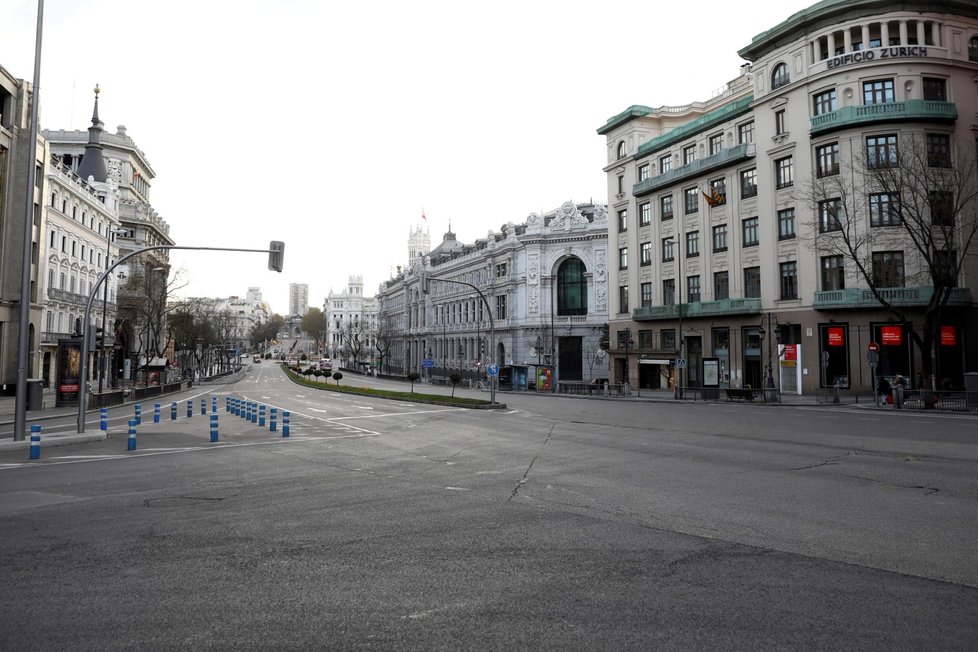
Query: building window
point(745, 133)
point(879, 91)
point(752, 282)
point(669, 292)
point(501, 306)
point(941, 207)
point(888, 269)
point(824, 102)
point(884, 209)
point(719, 238)
point(751, 237)
point(786, 224)
point(646, 253)
point(621, 150)
point(789, 280)
point(833, 273)
point(718, 192)
point(646, 291)
point(645, 214)
point(780, 125)
point(571, 288)
point(692, 244)
point(881, 151)
point(689, 154)
point(643, 172)
point(827, 160)
point(748, 183)
point(665, 207)
point(665, 163)
point(623, 220)
point(945, 266)
point(621, 185)
point(939, 150)
point(693, 289)
point(501, 270)
point(645, 340)
point(935, 90)
point(716, 143)
point(828, 215)
point(784, 172)
point(623, 258)
point(622, 299)
point(691, 197)
point(721, 285)
point(973, 49)
point(667, 250)
point(668, 339)
point(780, 76)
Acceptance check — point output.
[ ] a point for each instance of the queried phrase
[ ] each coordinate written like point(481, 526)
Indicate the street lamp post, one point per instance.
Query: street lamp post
point(629, 343)
point(105, 302)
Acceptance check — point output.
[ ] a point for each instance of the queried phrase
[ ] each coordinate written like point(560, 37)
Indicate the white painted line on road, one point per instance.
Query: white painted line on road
point(397, 414)
point(455, 489)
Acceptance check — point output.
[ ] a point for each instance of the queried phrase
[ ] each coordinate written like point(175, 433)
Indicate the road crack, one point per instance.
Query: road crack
point(526, 473)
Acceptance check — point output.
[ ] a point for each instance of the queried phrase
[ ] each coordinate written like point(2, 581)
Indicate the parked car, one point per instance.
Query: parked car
point(256, 358)
point(326, 364)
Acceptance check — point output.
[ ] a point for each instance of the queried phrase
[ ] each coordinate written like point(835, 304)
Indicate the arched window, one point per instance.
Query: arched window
point(571, 288)
point(621, 149)
point(780, 76)
point(973, 49)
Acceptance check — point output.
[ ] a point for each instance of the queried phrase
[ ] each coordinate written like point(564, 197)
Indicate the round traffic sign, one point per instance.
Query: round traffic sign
point(873, 346)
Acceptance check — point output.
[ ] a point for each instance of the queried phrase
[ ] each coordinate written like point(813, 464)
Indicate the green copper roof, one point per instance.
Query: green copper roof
point(705, 121)
point(634, 111)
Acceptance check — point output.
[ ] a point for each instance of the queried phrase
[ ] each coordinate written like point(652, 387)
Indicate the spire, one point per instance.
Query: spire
point(92, 163)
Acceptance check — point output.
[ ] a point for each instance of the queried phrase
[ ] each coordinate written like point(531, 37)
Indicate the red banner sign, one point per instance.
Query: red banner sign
point(790, 351)
point(949, 336)
point(837, 336)
point(891, 335)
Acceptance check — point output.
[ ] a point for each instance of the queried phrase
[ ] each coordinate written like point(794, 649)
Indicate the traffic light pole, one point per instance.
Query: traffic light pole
point(275, 252)
point(425, 279)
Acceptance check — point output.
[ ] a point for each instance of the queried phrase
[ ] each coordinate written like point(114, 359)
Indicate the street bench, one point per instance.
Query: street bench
point(746, 394)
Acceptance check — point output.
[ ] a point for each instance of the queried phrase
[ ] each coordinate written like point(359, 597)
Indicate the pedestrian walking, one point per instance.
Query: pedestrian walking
point(899, 382)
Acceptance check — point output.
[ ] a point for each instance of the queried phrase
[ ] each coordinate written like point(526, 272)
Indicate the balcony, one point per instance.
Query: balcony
point(722, 308)
point(721, 159)
point(916, 297)
point(909, 111)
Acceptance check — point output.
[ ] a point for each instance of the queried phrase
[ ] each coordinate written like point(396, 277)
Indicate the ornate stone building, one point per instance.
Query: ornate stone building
point(823, 203)
point(546, 284)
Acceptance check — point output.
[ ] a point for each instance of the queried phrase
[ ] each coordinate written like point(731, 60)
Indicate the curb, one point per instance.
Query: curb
point(54, 440)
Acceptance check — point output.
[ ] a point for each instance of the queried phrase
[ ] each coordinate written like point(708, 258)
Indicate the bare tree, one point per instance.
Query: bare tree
point(314, 324)
point(384, 335)
point(541, 345)
point(921, 199)
point(141, 322)
point(353, 338)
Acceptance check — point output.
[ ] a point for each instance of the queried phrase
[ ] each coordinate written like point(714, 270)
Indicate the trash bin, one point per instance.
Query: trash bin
point(35, 393)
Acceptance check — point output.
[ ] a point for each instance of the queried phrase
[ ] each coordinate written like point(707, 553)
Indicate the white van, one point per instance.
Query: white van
point(326, 364)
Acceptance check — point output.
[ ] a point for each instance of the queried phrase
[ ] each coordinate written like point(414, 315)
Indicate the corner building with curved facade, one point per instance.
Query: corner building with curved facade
point(722, 214)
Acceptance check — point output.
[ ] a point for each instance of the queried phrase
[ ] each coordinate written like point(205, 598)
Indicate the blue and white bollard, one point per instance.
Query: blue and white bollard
point(213, 427)
point(139, 414)
point(156, 413)
point(285, 423)
point(35, 452)
point(261, 415)
point(190, 407)
point(213, 404)
point(254, 412)
point(103, 422)
point(245, 409)
point(203, 406)
point(272, 419)
point(227, 403)
point(173, 411)
point(132, 435)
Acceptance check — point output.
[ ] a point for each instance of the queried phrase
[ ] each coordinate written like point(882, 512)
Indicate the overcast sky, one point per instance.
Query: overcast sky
point(332, 125)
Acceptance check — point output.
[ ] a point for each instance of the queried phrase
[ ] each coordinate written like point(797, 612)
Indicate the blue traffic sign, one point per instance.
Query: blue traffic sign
point(492, 369)
point(427, 363)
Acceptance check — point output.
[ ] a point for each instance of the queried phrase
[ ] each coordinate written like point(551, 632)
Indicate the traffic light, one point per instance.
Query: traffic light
point(423, 279)
point(482, 348)
point(95, 337)
point(276, 255)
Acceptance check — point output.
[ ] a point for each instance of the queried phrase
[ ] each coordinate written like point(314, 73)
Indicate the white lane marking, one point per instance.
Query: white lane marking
point(455, 489)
